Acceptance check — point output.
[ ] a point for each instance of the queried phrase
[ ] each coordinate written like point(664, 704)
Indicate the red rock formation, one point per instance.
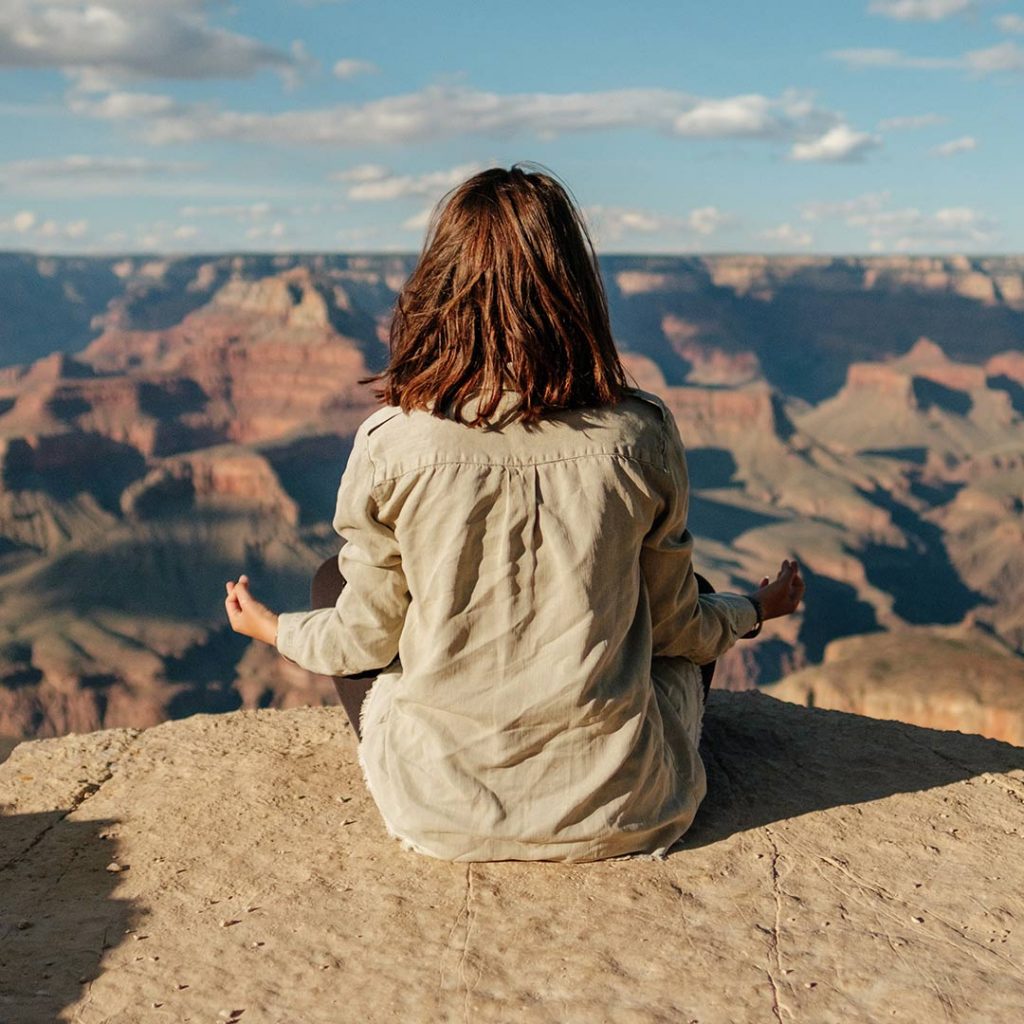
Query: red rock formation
point(243, 477)
point(940, 679)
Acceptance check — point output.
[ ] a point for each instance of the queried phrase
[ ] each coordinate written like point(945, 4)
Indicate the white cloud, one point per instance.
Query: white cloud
point(920, 10)
point(751, 114)
point(111, 39)
point(962, 145)
point(27, 224)
point(903, 229)
point(418, 221)
point(121, 106)
point(240, 211)
point(608, 223)
point(440, 112)
point(349, 67)
point(869, 202)
point(882, 57)
point(788, 235)
point(1011, 23)
point(400, 186)
point(276, 230)
point(611, 223)
point(706, 220)
point(1005, 56)
point(77, 166)
point(840, 144)
point(185, 231)
point(363, 172)
point(23, 221)
point(911, 121)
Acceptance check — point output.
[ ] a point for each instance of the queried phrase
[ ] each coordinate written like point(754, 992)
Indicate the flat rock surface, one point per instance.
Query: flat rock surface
point(841, 869)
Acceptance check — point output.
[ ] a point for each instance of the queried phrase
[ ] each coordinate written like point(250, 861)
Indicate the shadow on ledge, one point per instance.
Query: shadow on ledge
point(768, 760)
point(58, 911)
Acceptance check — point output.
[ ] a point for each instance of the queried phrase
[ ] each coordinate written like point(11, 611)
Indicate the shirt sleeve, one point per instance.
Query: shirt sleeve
point(361, 632)
point(685, 623)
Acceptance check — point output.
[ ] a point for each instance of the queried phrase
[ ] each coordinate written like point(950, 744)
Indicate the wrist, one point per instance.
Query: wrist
point(756, 602)
point(271, 632)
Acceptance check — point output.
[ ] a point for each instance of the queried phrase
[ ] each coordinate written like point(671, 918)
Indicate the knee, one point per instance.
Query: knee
point(327, 584)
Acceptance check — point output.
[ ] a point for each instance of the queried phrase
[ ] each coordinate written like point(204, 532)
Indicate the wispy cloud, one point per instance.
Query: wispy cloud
point(921, 10)
point(788, 235)
point(83, 174)
point(131, 39)
point(374, 182)
point(889, 124)
point(28, 225)
point(440, 112)
point(350, 67)
point(612, 223)
point(840, 144)
point(908, 229)
point(824, 209)
point(1010, 23)
point(962, 145)
point(1005, 56)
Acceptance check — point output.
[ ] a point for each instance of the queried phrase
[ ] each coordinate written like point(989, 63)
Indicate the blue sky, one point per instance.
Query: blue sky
point(870, 127)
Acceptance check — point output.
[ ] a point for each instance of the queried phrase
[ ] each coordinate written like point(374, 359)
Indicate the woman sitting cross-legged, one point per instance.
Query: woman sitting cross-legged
point(517, 570)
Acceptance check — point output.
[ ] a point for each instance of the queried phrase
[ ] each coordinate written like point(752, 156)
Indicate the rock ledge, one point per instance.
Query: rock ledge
point(232, 867)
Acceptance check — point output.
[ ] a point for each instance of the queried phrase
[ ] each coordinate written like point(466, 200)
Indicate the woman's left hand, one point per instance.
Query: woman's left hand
point(249, 616)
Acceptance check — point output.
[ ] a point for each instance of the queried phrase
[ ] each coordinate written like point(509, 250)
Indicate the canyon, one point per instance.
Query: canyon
point(168, 423)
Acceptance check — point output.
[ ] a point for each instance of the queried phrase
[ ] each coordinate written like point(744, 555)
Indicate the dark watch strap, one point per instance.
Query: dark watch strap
point(760, 618)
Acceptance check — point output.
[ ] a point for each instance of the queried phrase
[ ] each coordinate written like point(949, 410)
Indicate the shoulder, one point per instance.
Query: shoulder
point(378, 418)
point(649, 400)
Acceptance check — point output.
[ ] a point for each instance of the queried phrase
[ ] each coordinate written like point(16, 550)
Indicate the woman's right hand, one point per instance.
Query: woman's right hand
point(782, 595)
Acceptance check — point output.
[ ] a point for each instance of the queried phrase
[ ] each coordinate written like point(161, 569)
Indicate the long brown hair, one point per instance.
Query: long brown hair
point(507, 293)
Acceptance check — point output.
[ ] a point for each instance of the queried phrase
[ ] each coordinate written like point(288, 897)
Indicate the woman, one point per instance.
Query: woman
point(518, 564)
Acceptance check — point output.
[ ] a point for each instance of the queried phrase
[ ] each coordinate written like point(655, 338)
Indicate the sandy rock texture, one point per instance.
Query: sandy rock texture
point(232, 867)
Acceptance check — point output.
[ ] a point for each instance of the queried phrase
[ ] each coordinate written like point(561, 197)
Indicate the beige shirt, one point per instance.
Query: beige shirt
point(530, 594)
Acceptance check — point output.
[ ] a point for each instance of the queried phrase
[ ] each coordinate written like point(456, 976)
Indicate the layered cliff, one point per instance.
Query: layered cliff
point(204, 429)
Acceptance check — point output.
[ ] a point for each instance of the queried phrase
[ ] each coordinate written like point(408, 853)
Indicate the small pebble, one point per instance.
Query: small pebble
point(114, 866)
point(810, 984)
point(917, 920)
point(24, 924)
point(228, 921)
point(139, 935)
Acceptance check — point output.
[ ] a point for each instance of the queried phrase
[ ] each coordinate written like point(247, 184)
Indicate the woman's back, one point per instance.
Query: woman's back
point(517, 560)
point(530, 592)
